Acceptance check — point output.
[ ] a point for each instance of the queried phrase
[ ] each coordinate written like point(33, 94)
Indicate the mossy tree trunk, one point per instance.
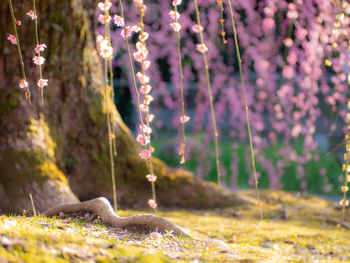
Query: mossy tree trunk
point(59, 152)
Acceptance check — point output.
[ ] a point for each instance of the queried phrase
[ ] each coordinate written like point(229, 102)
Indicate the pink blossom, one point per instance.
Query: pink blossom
point(174, 15)
point(40, 48)
point(104, 6)
point(145, 154)
point(143, 140)
point(296, 130)
point(184, 119)
point(136, 28)
point(119, 21)
point(141, 47)
point(268, 24)
point(175, 26)
point(145, 89)
point(202, 48)
point(144, 108)
point(18, 23)
point(177, 2)
point(12, 39)
point(138, 56)
point(38, 60)
point(152, 203)
point(31, 14)
point(151, 178)
point(197, 28)
point(288, 42)
point(143, 78)
point(128, 32)
point(292, 14)
point(146, 129)
point(146, 64)
point(106, 51)
point(23, 84)
point(288, 72)
point(138, 2)
point(143, 8)
point(104, 19)
point(42, 83)
point(149, 118)
point(301, 33)
point(148, 99)
point(143, 36)
point(151, 149)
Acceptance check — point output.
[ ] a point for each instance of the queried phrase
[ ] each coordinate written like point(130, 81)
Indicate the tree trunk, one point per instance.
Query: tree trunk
point(59, 152)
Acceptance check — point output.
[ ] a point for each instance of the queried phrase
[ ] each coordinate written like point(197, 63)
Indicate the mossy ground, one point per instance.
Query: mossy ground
point(295, 229)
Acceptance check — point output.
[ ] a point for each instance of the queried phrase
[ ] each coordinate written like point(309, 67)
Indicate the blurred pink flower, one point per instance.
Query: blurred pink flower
point(31, 14)
point(12, 39)
point(145, 89)
point(38, 60)
point(42, 83)
point(119, 21)
point(143, 140)
point(40, 48)
point(197, 28)
point(23, 84)
point(268, 24)
point(177, 2)
point(288, 72)
point(184, 119)
point(145, 154)
point(151, 178)
point(175, 26)
point(174, 14)
point(152, 203)
point(104, 6)
point(202, 48)
point(288, 42)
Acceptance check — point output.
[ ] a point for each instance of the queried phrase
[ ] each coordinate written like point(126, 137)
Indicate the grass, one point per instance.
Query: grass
point(307, 234)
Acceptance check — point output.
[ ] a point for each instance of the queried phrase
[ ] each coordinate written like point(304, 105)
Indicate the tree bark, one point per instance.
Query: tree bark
point(58, 152)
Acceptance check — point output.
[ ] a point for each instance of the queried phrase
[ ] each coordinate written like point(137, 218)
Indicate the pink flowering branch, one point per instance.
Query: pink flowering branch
point(222, 21)
point(38, 60)
point(144, 137)
point(14, 39)
point(202, 48)
point(183, 119)
point(141, 56)
point(245, 107)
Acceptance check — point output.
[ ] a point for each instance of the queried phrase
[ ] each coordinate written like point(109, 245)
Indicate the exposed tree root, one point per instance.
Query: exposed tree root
point(101, 207)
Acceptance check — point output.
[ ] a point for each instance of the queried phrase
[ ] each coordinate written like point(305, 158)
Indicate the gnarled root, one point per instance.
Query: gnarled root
point(101, 207)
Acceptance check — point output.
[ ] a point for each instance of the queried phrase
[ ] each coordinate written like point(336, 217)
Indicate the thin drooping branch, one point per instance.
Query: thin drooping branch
point(24, 82)
point(202, 48)
point(101, 207)
point(139, 113)
point(246, 109)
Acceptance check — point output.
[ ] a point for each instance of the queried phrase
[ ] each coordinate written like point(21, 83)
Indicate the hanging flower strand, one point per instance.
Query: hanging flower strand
point(38, 60)
point(106, 19)
point(222, 21)
point(202, 48)
point(174, 14)
point(141, 56)
point(144, 137)
point(14, 39)
point(245, 108)
point(106, 52)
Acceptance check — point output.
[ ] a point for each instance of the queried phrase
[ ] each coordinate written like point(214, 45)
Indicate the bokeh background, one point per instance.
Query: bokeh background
point(295, 58)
